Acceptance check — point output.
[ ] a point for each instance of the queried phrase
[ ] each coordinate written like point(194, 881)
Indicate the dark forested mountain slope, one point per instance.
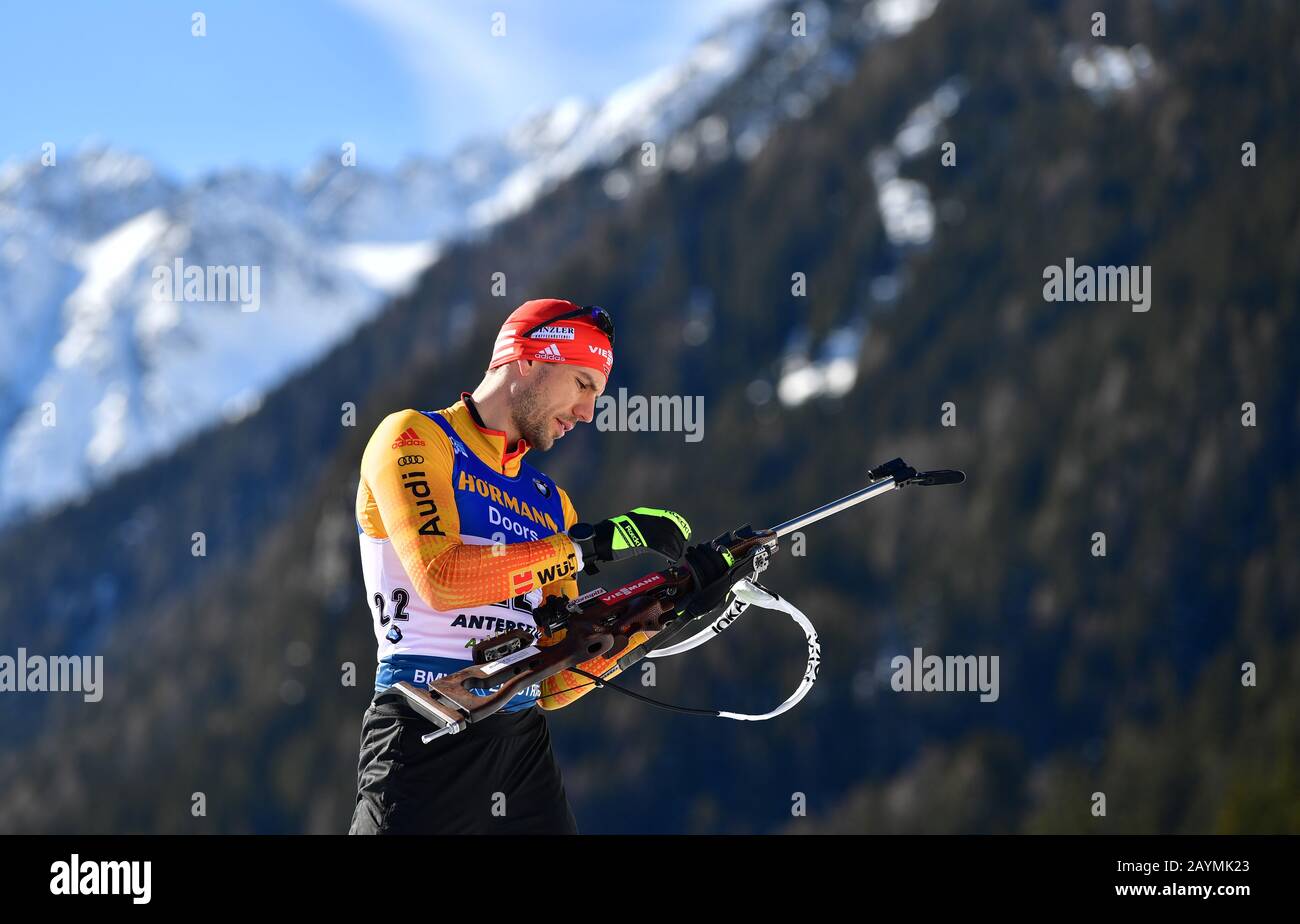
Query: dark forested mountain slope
point(1118, 674)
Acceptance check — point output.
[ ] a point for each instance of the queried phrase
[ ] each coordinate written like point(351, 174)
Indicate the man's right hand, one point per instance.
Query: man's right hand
point(642, 529)
point(711, 571)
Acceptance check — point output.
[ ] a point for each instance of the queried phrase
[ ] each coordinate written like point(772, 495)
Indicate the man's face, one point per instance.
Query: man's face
point(550, 399)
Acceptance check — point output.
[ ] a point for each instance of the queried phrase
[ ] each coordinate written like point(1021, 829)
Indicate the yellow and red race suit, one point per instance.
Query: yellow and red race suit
point(460, 540)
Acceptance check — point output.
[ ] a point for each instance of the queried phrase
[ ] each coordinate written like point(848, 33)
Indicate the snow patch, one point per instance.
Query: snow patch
point(390, 268)
point(898, 17)
point(651, 109)
point(831, 374)
point(906, 210)
point(1105, 70)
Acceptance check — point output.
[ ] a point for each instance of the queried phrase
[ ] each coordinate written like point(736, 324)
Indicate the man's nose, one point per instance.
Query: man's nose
point(585, 410)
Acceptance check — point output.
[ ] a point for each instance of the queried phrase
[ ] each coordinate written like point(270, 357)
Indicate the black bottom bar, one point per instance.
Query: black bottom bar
point(920, 873)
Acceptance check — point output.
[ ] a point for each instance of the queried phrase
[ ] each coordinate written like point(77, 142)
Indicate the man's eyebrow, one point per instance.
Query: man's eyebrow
point(587, 377)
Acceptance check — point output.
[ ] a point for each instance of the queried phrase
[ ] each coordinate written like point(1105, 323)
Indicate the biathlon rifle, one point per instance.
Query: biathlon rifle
point(602, 624)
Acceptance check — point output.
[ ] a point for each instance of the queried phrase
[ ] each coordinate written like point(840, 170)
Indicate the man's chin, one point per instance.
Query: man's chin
point(540, 440)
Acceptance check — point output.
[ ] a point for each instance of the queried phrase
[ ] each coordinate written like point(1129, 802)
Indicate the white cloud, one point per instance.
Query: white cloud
point(449, 49)
point(465, 73)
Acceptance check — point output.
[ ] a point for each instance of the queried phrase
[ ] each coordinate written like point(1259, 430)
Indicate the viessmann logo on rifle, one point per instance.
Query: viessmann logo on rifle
point(627, 590)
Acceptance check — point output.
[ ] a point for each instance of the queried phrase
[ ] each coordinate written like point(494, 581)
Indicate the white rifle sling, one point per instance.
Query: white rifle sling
point(747, 594)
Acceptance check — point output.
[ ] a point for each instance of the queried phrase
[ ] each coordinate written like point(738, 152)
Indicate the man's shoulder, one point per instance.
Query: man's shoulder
point(408, 429)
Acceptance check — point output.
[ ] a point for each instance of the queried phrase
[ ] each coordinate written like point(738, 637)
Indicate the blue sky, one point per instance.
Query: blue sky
point(276, 82)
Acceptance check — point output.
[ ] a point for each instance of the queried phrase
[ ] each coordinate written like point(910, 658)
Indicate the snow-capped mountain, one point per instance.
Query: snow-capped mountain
point(104, 367)
point(112, 358)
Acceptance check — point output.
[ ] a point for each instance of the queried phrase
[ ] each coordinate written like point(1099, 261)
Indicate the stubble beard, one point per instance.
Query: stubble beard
point(530, 418)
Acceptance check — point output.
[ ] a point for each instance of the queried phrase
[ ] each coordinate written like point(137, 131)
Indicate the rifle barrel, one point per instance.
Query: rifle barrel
point(826, 510)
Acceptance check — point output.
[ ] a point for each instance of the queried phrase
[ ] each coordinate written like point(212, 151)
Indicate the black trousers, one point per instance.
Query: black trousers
point(496, 777)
